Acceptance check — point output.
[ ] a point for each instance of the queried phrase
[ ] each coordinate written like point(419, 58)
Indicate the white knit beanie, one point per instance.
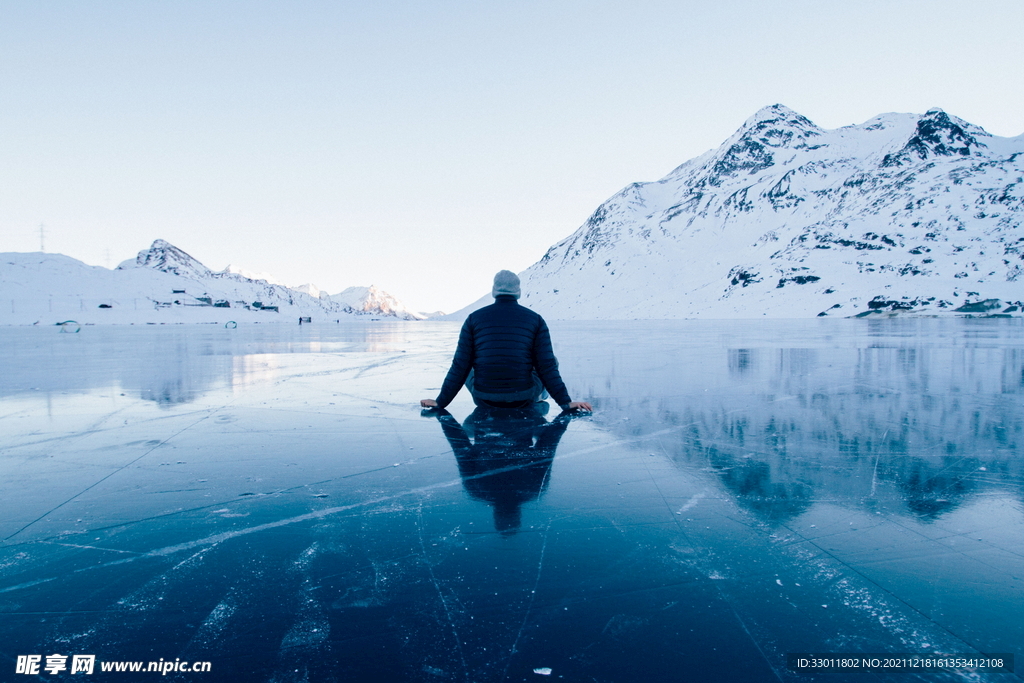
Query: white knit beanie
point(505, 282)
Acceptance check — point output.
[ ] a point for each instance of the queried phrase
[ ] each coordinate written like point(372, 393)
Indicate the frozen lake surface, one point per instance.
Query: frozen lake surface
point(271, 500)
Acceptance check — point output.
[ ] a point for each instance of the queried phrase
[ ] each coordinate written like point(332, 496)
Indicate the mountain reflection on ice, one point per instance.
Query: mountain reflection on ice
point(173, 364)
point(272, 500)
point(918, 416)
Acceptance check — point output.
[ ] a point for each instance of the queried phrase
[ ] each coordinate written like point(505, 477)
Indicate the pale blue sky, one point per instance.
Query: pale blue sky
point(422, 146)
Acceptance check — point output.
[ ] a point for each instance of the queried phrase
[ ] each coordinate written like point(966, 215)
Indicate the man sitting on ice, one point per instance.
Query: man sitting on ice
point(504, 356)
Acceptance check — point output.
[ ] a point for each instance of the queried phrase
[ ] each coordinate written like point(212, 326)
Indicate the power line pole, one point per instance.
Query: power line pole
point(42, 234)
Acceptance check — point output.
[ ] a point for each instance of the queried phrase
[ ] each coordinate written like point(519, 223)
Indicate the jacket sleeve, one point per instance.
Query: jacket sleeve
point(462, 363)
point(547, 366)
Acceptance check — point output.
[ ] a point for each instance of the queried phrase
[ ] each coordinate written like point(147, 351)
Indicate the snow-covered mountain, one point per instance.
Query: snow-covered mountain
point(904, 213)
point(167, 258)
point(163, 284)
point(432, 314)
point(372, 301)
point(313, 291)
point(253, 275)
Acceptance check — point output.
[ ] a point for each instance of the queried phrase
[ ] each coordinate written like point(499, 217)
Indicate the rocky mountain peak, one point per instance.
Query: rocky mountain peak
point(777, 116)
point(937, 134)
point(752, 148)
point(167, 258)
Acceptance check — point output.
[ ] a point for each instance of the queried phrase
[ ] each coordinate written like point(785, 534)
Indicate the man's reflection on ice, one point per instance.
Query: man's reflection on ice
point(504, 456)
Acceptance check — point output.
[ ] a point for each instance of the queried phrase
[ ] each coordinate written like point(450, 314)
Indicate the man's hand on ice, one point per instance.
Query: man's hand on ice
point(581, 405)
point(428, 403)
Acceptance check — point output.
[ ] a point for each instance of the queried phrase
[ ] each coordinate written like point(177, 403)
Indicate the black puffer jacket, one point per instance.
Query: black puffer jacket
point(503, 344)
